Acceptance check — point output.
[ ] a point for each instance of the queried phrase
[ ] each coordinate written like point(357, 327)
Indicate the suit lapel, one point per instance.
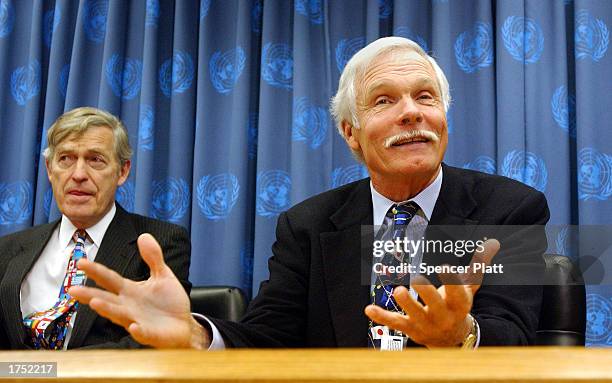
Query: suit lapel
point(118, 247)
point(451, 218)
point(455, 202)
point(10, 287)
point(344, 262)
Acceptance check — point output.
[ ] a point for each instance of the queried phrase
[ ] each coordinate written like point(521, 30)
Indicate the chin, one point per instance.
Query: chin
point(416, 166)
point(79, 215)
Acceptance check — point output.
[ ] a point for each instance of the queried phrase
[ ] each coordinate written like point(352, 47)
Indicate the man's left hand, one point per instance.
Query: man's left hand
point(443, 321)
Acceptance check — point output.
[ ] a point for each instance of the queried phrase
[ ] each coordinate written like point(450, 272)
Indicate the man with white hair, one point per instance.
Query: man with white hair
point(391, 109)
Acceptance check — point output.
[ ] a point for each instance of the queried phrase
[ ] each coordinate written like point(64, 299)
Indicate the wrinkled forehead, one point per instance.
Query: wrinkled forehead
point(399, 56)
point(387, 67)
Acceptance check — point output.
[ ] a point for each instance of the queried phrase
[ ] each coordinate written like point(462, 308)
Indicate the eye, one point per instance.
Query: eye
point(427, 98)
point(382, 100)
point(97, 162)
point(65, 160)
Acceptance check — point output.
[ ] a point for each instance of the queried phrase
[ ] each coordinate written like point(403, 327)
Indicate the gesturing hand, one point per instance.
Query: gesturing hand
point(156, 312)
point(443, 320)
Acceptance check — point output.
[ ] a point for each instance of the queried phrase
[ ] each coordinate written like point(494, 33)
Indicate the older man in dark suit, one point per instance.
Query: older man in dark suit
point(390, 108)
point(87, 158)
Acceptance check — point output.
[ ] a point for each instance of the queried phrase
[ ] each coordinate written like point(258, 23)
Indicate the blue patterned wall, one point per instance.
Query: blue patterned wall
point(226, 103)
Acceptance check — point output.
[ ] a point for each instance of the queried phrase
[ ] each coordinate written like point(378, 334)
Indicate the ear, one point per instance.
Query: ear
point(124, 172)
point(351, 136)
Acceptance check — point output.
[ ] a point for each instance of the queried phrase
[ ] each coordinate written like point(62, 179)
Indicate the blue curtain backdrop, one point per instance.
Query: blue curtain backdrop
point(226, 103)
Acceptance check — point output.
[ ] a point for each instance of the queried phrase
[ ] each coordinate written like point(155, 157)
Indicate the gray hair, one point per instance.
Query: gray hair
point(77, 121)
point(344, 103)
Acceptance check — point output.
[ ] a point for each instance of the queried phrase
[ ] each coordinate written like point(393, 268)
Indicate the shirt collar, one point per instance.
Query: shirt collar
point(426, 199)
point(95, 232)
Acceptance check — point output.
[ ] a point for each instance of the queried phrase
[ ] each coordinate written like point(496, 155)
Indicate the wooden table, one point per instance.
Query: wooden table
point(342, 365)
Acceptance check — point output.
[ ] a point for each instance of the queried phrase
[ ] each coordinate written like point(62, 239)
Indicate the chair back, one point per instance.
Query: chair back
point(223, 302)
point(563, 312)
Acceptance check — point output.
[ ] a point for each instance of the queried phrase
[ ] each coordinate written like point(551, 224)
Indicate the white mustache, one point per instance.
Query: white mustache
point(411, 135)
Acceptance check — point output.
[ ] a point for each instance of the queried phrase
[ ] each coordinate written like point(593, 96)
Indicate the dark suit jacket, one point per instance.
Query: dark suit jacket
point(315, 296)
point(118, 251)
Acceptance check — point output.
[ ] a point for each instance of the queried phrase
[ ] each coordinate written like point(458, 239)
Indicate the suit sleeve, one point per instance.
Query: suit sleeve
point(277, 316)
point(508, 311)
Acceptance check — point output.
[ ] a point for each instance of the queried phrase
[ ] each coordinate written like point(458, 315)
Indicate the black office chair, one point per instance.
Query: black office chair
point(223, 302)
point(563, 312)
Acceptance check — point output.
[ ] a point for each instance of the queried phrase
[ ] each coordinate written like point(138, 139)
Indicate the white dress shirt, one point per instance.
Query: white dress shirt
point(426, 200)
point(41, 287)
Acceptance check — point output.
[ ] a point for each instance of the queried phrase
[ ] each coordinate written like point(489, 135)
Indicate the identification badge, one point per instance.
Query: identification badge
point(391, 343)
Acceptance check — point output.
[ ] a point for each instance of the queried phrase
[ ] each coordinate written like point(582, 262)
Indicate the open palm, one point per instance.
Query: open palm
point(156, 312)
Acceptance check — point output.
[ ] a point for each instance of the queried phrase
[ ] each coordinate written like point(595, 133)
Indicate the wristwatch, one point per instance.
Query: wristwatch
point(469, 343)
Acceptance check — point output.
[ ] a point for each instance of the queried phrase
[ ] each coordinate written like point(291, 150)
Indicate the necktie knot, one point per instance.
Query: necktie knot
point(402, 214)
point(80, 236)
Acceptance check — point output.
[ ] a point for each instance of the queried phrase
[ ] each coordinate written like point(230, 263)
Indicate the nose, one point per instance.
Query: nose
point(409, 112)
point(80, 171)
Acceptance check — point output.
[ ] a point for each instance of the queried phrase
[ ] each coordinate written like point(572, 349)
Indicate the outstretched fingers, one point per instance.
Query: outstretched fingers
point(391, 319)
point(85, 294)
point(411, 306)
point(102, 275)
point(428, 293)
point(116, 312)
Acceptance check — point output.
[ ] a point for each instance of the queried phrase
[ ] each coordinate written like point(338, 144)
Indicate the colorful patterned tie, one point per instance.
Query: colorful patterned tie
point(382, 291)
point(47, 329)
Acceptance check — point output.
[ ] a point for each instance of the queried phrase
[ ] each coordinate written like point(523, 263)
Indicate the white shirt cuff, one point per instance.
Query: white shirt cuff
point(477, 334)
point(216, 342)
